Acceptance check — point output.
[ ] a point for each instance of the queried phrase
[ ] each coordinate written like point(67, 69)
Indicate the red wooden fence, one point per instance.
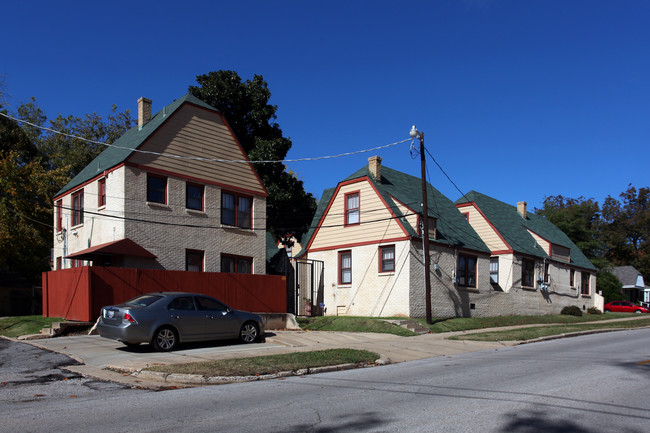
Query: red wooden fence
point(79, 293)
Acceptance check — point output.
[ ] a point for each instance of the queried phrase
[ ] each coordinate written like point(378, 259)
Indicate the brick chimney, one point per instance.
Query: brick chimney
point(144, 111)
point(521, 208)
point(374, 167)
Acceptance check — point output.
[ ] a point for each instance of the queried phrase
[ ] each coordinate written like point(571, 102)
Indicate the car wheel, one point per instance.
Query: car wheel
point(608, 311)
point(638, 311)
point(249, 333)
point(165, 339)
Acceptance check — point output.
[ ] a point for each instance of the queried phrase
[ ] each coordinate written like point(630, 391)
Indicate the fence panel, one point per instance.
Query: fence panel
point(79, 293)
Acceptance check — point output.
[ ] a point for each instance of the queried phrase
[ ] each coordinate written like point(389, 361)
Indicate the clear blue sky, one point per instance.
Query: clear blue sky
point(517, 99)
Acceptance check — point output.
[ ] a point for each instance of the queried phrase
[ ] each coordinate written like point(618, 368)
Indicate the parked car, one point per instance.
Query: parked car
point(625, 307)
point(166, 319)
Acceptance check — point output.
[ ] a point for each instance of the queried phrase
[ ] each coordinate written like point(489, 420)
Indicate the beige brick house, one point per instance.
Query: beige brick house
point(366, 231)
point(530, 257)
point(163, 197)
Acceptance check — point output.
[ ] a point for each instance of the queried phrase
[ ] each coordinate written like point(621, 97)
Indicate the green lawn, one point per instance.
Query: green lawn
point(259, 365)
point(470, 323)
point(545, 331)
point(351, 324)
point(23, 325)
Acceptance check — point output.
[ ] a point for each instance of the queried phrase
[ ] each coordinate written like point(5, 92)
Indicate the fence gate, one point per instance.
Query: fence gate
point(309, 287)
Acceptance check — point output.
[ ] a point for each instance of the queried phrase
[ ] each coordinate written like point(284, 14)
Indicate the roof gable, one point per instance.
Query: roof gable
point(516, 230)
point(124, 147)
point(452, 228)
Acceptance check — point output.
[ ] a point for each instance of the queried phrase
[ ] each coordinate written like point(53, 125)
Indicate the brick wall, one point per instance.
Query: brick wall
point(174, 233)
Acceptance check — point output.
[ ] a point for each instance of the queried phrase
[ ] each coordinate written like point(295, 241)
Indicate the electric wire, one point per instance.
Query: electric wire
point(196, 158)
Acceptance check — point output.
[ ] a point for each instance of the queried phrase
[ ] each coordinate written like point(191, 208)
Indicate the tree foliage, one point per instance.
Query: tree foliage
point(34, 165)
point(610, 286)
point(73, 154)
point(626, 229)
point(578, 218)
point(617, 234)
point(245, 105)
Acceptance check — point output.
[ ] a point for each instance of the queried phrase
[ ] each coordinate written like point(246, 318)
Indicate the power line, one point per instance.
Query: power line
point(196, 158)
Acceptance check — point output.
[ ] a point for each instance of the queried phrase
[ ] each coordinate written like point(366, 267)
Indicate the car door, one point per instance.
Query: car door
point(221, 323)
point(186, 317)
point(626, 307)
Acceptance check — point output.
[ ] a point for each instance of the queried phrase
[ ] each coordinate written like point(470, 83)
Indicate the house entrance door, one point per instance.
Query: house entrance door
point(309, 287)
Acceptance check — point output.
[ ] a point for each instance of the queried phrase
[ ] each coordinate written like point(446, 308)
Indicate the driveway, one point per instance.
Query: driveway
point(105, 359)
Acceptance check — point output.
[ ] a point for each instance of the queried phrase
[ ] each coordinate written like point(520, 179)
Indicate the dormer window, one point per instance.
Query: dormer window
point(352, 208)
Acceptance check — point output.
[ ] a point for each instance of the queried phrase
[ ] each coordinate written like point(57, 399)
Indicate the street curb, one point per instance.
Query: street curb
point(576, 334)
point(200, 380)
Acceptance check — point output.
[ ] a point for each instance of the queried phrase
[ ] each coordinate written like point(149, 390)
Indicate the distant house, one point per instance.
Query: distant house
point(634, 288)
point(531, 256)
point(159, 198)
point(367, 232)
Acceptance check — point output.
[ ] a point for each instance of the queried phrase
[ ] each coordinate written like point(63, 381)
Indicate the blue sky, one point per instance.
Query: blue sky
point(517, 99)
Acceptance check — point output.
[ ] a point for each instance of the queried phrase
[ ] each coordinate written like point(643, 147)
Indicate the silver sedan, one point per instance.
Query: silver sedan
point(166, 319)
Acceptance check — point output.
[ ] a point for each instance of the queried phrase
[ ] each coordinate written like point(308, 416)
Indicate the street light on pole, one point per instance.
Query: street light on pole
point(425, 225)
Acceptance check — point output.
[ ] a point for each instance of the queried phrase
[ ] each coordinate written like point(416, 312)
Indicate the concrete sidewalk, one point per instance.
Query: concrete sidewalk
point(110, 360)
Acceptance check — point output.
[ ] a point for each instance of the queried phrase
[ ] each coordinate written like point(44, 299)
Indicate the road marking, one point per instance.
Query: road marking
point(644, 362)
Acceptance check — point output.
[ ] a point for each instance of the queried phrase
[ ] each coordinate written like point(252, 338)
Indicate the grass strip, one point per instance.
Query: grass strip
point(545, 331)
point(259, 365)
point(352, 324)
point(14, 327)
point(469, 323)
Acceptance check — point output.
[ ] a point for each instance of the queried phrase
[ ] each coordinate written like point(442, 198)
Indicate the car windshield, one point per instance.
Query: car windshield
point(143, 300)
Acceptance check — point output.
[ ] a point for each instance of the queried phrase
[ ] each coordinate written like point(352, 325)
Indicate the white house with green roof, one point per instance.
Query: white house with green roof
point(531, 257)
point(164, 196)
point(366, 231)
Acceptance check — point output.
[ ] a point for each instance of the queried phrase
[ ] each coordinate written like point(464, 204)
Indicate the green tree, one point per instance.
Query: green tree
point(610, 286)
point(579, 219)
point(73, 154)
point(34, 165)
point(626, 229)
point(245, 105)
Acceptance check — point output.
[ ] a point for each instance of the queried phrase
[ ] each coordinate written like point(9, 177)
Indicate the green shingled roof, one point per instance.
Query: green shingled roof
point(123, 147)
point(514, 228)
point(452, 227)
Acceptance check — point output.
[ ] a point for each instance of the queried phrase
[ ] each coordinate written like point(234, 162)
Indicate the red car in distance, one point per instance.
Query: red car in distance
point(624, 307)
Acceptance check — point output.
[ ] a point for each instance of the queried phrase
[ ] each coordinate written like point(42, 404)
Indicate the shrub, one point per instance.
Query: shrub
point(571, 310)
point(594, 310)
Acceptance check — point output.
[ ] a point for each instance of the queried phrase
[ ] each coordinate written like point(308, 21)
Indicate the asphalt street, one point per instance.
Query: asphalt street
point(589, 384)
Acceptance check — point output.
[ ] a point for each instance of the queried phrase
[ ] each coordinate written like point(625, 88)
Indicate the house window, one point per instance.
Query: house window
point(387, 258)
point(584, 289)
point(194, 260)
point(345, 267)
point(352, 208)
point(572, 278)
point(156, 189)
point(494, 270)
point(528, 273)
point(78, 208)
point(194, 196)
point(59, 215)
point(236, 264)
point(236, 210)
point(466, 215)
point(546, 273)
point(466, 271)
point(101, 192)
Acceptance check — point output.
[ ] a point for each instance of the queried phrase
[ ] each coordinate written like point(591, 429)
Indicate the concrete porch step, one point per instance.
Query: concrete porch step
point(411, 325)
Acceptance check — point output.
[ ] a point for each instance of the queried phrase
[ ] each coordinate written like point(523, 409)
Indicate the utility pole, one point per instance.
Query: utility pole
point(425, 225)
